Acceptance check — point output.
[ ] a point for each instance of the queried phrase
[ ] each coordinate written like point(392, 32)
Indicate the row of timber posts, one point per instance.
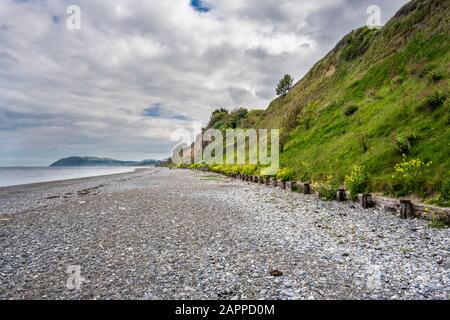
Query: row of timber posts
point(405, 208)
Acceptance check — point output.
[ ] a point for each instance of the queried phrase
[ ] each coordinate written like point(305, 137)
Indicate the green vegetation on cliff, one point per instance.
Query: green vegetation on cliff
point(380, 98)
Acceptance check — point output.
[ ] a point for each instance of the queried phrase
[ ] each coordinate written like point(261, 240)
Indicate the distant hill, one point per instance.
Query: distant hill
point(100, 162)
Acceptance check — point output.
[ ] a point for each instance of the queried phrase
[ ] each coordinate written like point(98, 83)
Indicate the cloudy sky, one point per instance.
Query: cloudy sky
point(137, 70)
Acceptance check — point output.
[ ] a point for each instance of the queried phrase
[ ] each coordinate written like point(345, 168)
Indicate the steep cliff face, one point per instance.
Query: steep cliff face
point(375, 89)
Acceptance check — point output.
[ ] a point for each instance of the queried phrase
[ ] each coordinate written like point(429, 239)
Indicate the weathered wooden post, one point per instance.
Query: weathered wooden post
point(274, 182)
point(340, 194)
point(282, 184)
point(365, 200)
point(267, 181)
point(306, 188)
point(293, 185)
point(256, 179)
point(261, 180)
point(406, 209)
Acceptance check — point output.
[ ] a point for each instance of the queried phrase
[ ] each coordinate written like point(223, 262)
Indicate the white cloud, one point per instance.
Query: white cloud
point(72, 92)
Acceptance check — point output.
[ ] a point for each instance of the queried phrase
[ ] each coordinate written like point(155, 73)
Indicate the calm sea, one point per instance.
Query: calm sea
point(12, 176)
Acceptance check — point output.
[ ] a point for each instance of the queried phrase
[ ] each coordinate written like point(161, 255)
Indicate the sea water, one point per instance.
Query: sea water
point(13, 176)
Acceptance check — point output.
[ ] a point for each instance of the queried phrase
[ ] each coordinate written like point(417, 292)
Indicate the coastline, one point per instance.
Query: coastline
point(68, 179)
point(15, 199)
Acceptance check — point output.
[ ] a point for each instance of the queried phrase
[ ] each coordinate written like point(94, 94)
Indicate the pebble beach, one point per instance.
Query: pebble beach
point(177, 234)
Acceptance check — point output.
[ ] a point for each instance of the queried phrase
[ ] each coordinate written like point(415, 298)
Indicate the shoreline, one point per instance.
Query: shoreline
point(64, 181)
point(20, 198)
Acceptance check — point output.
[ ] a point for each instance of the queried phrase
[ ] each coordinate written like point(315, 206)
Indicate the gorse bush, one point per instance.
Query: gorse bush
point(286, 174)
point(328, 188)
point(228, 170)
point(197, 166)
point(433, 73)
point(437, 75)
point(266, 172)
point(356, 182)
point(411, 174)
point(327, 193)
point(217, 168)
point(248, 169)
point(434, 100)
point(235, 169)
point(402, 145)
point(403, 142)
point(423, 71)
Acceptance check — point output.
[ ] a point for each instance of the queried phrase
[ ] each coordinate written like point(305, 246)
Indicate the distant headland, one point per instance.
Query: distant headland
point(101, 162)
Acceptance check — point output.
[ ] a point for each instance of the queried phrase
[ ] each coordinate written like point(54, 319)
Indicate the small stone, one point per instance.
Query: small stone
point(276, 273)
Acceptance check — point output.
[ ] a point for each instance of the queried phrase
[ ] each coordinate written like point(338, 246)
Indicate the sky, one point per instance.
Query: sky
point(136, 70)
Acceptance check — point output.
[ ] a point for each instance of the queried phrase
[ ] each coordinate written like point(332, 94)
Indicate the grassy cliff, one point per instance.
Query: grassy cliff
point(379, 98)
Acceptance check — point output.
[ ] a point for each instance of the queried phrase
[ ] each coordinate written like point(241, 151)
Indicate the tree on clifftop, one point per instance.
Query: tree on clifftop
point(217, 117)
point(285, 85)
